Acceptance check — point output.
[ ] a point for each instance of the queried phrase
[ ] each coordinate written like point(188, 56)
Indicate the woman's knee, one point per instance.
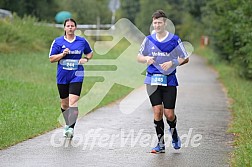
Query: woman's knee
point(73, 100)
point(65, 103)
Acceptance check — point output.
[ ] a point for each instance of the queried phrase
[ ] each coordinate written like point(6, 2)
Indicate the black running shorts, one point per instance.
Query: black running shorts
point(165, 95)
point(72, 88)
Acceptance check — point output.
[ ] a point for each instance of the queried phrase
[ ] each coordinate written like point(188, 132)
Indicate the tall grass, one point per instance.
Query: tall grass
point(240, 91)
point(23, 35)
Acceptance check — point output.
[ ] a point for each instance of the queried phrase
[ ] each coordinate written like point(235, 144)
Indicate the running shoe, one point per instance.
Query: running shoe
point(69, 133)
point(65, 130)
point(158, 149)
point(176, 142)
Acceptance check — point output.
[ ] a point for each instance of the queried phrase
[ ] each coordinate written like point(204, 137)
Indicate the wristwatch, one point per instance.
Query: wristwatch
point(86, 58)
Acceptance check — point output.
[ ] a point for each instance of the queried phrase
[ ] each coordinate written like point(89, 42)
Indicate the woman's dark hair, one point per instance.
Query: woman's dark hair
point(158, 14)
point(70, 19)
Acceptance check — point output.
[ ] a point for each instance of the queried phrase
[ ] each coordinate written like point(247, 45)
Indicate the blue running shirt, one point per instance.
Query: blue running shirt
point(166, 50)
point(77, 47)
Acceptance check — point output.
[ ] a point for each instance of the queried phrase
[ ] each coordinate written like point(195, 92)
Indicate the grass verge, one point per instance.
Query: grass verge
point(29, 99)
point(240, 91)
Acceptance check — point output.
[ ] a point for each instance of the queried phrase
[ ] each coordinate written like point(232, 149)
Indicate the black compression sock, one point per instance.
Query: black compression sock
point(73, 115)
point(173, 123)
point(159, 125)
point(173, 129)
point(65, 115)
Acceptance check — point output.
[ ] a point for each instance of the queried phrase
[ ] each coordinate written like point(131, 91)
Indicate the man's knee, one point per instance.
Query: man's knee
point(169, 113)
point(171, 117)
point(158, 111)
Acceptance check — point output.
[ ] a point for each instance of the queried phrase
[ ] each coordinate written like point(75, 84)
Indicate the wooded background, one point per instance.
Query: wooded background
point(227, 23)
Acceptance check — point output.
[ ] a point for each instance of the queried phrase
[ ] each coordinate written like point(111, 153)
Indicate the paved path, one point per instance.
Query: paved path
point(107, 137)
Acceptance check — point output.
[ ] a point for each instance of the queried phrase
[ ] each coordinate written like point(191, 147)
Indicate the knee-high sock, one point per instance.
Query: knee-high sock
point(159, 125)
point(173, 129)
point(73, 115)
point(65, 115)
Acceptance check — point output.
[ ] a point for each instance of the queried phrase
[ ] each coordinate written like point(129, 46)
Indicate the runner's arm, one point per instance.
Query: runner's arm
point(145, 59)
point(183, 61)
point(57, 57)
point(86, 58)
point(89, 55)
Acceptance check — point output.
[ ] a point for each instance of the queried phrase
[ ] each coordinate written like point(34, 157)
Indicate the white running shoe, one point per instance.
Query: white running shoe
point(69, 133)
point(65, 130)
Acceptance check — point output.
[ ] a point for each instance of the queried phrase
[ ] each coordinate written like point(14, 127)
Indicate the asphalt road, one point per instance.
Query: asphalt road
point(110, 137)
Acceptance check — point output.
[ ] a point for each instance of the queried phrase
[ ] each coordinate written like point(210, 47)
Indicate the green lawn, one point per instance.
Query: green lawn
point(29, 98)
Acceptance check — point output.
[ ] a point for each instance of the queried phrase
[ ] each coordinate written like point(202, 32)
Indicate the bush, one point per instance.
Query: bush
point(229, 23)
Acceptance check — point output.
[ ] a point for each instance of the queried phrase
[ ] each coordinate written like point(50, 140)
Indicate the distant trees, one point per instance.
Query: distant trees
point(43, 9)
point(86, 11)
point(147, 7)
point(130, 9)
point(228, 23)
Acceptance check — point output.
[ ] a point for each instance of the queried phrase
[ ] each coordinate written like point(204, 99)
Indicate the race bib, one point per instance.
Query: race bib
point(70, 64)
point(159, 79)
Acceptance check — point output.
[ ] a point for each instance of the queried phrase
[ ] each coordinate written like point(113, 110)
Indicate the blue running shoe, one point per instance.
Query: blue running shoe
point(158, 149)
point(176, 143)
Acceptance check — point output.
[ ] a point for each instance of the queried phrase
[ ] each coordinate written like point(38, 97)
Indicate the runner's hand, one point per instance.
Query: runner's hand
point(166, 65)
point(83, 61)
point(149, 60)
point(65, 52)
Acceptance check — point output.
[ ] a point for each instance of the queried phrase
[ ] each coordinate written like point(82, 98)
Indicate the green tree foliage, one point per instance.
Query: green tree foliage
point(189, 29)
point(242, 26)
point(42, 9)
point(184, 19)
point(176, 12)
point(147, 8)
point(86, 11)
point(229, 24)
point(185, 24)
point(130, 9)
point(194, 7)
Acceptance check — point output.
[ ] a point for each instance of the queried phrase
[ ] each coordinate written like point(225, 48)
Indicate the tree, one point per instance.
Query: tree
point(130, 9)
point(147, 8)
point(86, 11)
point(194, 7)
point(38, 9)
point(229, 24)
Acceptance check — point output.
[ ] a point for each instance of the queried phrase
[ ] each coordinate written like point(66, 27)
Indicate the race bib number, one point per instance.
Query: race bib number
point(159, 79)
point(70, 64)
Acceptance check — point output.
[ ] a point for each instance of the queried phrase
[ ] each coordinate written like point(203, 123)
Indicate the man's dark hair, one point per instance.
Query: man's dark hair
point(158, 14)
